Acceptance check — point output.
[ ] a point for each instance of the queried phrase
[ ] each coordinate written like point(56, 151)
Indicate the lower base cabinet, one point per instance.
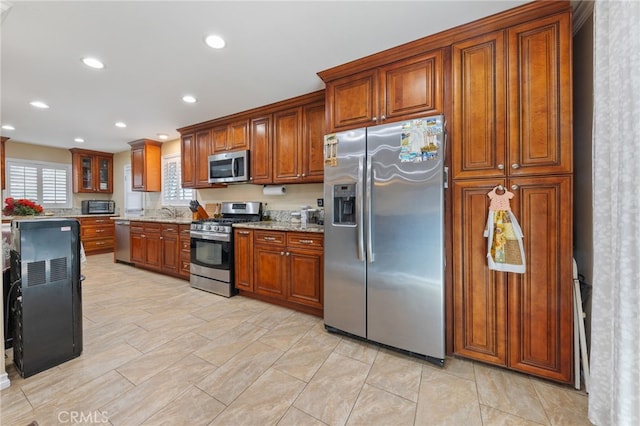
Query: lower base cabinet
point(162, 247)
point(285, 268)
point(97, 234)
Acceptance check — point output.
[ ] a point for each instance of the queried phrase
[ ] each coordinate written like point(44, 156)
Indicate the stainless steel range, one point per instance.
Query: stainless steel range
point(212, 247)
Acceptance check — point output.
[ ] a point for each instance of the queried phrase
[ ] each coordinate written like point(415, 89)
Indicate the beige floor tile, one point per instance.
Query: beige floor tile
point(357, 349)
point(232, 378)
point(333, 391)
point(306, 357)
point(148, 365)
point(264, 403)
point(222, 324)
point(270, 317)
point(227, 345)
point(138, 404)
point(378, 407)
point(295, 417)
point(446, 399)
point(287, 333)
point(14, 407)
point(495, 417)
point(77, 372)
point(509, 392)
point(563, 405)
point(192, 407)
point(396, 373)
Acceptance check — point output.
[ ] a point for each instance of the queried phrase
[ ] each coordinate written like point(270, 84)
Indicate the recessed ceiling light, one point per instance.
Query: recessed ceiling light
point(121, 124)
point(215, 41)
point(93, 63)
point(39, 104)
point(163, 136)
point(79, 140)
point(189, 99)
point(8, 127)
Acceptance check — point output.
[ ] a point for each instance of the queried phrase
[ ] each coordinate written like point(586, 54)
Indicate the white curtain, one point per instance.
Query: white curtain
point(614, 391)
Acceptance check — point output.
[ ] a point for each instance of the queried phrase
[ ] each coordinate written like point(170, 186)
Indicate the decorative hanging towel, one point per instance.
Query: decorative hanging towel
point(505, 251)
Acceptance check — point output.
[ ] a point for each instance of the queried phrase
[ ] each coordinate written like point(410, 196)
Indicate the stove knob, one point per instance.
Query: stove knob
point(219, 228)
point(206, 227)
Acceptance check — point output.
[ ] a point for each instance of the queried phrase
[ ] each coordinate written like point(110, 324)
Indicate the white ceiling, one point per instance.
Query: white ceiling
point(154, 54)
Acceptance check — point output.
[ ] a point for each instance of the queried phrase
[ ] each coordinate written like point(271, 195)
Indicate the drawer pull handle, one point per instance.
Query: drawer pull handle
point(99, 230)
point(243, 232)
point(100, 243)
point(270, 238)
point(305, 241)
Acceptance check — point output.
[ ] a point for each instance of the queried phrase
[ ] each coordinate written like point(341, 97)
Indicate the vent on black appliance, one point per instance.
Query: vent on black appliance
point(36, 273)
point(59, 269)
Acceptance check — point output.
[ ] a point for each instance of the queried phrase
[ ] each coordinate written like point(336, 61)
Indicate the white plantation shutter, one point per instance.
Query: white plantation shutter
point(47, 184)
point(172, 192)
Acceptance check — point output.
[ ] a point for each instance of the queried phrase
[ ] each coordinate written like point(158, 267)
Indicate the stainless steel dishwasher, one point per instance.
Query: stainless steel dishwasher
point(123, 249)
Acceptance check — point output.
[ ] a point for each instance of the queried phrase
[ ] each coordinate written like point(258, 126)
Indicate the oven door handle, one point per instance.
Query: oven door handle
point(211, 236)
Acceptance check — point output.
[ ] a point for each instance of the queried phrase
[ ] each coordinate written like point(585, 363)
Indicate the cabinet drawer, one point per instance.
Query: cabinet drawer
point(96, 231)
point(272, 238)
point(95, 245)
point(305, 239)
point(99, 220)
point(169, 229)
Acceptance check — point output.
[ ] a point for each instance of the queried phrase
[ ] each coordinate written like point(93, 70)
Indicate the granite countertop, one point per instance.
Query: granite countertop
point(54, 216)
point(280, 226)
point(162, 219)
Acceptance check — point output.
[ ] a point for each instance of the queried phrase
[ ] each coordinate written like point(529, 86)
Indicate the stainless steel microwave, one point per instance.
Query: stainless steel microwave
point(229, 167)
point(98, 207)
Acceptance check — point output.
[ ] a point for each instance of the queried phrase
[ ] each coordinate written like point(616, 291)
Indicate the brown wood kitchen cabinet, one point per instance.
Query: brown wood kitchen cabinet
point(146, 248)
point(92, 171)
point(169, 240)
point(146, 165)
point(97, 234)
point(511, 126)
point(231, 137)
point(404, 89)
point(185, 251)
point(282, 267)
point(261, 150)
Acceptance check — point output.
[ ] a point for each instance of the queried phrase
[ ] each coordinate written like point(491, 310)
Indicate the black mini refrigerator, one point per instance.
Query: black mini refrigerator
point(46, 297)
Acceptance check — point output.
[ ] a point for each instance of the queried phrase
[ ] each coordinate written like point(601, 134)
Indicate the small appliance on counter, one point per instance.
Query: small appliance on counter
point(98, 207)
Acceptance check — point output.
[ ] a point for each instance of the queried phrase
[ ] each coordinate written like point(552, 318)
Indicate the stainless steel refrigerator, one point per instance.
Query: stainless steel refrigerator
point(384, 235)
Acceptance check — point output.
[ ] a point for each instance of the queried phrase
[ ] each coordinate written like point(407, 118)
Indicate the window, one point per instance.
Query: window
point(172, 192)
point(47, 184)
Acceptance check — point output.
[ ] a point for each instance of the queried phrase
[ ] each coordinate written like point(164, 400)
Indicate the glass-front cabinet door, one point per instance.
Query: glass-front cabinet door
point(92, 171)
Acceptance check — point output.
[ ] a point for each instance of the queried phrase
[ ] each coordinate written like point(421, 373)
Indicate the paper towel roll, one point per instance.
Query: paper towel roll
point(273, 190)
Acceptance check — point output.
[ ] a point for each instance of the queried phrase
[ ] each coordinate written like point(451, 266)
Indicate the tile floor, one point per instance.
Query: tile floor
point(157, 352)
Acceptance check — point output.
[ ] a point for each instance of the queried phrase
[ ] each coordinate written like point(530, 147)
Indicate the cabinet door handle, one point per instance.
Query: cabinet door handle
point(515, 166)
point(281, 253)
point(383, 118)
point(303, 175)
point(514, 187)
point(374, 119)
point(288, 253)
point(500, 166)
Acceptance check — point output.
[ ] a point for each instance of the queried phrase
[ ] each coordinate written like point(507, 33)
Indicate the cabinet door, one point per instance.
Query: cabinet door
point(203, 141)
point(104, 174)
point(540, 301)
point(352, 101)
point(238, 134)
point(219, 138)
point(137, 244)
point(540, 113)
point(286, 146)
point(137, 169)
point(153, 249)
point(313, 126)
point(270, 274)
point(170, 248)
point(478, 131)
point(412, 87)
point(480, 295)
point(187, 159)
point(306, 277)
point(243, 257)
point(261, 152)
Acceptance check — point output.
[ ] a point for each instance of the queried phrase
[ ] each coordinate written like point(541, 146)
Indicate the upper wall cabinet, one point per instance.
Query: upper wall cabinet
point(401, 90)
point(2, 168)
point(232, 136)
point(92, 171)
point(146, 166)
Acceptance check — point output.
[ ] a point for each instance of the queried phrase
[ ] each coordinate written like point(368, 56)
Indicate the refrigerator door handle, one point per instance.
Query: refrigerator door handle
point(360, 207)
point(370, 256)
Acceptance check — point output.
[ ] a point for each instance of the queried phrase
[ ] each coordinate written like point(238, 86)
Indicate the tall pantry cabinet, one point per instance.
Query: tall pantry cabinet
point(511, 125)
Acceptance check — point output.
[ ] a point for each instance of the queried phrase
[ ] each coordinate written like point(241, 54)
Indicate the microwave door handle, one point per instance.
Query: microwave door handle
point(234, 166)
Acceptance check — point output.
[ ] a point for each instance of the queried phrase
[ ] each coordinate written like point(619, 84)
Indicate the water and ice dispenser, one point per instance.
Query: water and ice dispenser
point(344, 204)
